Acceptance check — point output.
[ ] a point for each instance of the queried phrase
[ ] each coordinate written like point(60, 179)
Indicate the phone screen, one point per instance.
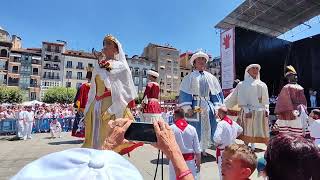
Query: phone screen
point(143, 132)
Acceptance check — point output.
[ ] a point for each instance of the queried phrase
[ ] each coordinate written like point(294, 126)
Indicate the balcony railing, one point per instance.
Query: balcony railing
point(53, 60)
point(15, 60)
point(51, 77)
point(35, 74)
point(13, 83)
point(53, 50)
point(69, 67)
point(79, 67)
point(34, 85)
point(52, 68)
point(15, 71)
point(36, 61)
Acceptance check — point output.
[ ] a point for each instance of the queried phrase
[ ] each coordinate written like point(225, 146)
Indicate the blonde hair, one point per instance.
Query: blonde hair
point(242, 152)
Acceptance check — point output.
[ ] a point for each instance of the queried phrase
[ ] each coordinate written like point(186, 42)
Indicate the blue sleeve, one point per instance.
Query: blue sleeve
point(185, 99)
point(218, 98)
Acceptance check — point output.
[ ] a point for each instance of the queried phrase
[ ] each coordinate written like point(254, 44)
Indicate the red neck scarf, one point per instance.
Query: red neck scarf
point(181, 124)
point(228, 120)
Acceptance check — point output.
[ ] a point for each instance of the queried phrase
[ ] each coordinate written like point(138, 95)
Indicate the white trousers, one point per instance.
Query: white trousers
point(191, 165)
point(55, 132)
point(20, 127)
point(28, 129)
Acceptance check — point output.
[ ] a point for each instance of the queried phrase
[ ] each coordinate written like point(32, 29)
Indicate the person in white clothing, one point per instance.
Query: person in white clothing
point(226, 133)
point(187, 139)
point(28, 123)
point(314, 126)
point(21, 115)
point(55, 128)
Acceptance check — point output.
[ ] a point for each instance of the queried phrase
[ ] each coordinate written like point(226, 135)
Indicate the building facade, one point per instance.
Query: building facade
point(75, 67)
point(5, 47)
point(214, 67)
point(24, 71)
point(166, 60)
point(139, 66)
point(52, 65)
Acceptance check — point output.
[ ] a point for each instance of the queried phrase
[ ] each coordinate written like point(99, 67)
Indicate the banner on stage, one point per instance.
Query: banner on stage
point(227, 46)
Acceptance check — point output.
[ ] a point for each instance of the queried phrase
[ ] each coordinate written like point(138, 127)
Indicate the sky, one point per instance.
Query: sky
point(187, 25)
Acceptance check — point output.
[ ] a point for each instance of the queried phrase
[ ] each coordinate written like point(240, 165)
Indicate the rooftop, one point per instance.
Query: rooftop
point(271, 17)
point(81, 54)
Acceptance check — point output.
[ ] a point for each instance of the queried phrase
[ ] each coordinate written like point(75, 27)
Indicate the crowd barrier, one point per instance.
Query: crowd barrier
point(9, 126)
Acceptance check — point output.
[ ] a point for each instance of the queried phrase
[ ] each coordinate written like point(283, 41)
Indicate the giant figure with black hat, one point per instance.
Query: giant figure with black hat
point(80, 102)
point(151, 105)
point(200, 94)
point(289, 99)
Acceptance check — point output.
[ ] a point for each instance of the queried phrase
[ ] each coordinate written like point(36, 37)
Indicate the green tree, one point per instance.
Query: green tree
point(60, 95)
point(10, 94)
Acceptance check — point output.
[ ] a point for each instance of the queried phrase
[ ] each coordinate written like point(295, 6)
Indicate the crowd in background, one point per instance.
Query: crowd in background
point(40, 111)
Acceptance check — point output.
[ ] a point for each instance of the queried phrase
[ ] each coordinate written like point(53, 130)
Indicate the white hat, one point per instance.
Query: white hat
point(153, 73)
point(198, 55)
point(80, 163)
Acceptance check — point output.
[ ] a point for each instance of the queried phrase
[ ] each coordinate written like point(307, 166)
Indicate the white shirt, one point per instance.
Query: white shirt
point(22, 115)
point(187, 140)
point(55, 126)
point(314, 129)
point(226, 134)
point(29, 116)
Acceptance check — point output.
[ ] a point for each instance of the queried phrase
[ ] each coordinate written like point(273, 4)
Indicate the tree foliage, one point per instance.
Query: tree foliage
point(59, 95)
point(10, 94)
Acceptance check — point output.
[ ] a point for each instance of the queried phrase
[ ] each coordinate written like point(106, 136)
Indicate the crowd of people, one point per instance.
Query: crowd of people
point(202, 118)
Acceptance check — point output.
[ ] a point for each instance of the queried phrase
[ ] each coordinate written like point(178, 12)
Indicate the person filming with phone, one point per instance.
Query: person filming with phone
point(104, 163)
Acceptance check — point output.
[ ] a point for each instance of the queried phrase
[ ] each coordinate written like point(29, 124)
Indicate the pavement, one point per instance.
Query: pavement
point(16, 154)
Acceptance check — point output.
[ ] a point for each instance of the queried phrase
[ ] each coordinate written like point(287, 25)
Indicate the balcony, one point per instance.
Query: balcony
point(53, 50)
point(38, 62)
point(79, 67)
point(14, 71)
point(15, 61)
point(70, 67)
point(13, 83)
point(34, 85)
point(52, 77)
point(52, 68)
point(35, 74)
point(53, 60)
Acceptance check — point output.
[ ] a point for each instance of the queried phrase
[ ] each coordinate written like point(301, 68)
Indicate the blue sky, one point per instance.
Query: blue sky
point(185, 24)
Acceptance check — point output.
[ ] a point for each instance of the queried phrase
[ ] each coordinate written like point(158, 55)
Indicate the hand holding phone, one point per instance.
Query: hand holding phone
point(143, 132)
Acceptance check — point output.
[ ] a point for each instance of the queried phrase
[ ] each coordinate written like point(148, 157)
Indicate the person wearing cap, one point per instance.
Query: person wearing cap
point(112, 94)
point(226, 133)
point(80, 102)
point(290, 97)
point(200, 93)
point(103, 163)
point(251, 95)
point(150, 104)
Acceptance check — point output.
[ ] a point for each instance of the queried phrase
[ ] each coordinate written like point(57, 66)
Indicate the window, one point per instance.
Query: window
point(56, 58)
point(57, 49)
point(69, 75)
point(33, 96)
point(35, 71)
point(136, 71)
point(68, 84)
point(48, 48)
point(79, 75)
point(90, 65)
point(69, 64)
point(136, 80)
point(144, 72)
point(144, 81)
point(80, 65)
point(15, 69)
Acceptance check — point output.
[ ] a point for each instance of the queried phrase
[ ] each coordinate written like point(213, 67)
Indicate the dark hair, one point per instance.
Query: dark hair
point(89, 75)
point(292, 157)
point(179, 113)
point(316, 112)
